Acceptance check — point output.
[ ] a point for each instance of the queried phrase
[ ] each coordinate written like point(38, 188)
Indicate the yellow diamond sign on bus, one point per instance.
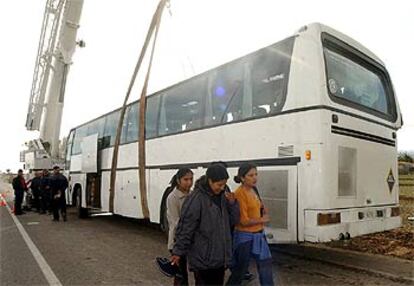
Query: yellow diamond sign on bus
point(390, 180)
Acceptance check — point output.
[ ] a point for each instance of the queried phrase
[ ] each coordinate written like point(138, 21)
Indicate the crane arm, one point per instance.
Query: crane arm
point(56, 47)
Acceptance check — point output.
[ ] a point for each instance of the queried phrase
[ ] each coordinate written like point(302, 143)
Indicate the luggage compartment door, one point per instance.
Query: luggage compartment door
point(278, 189)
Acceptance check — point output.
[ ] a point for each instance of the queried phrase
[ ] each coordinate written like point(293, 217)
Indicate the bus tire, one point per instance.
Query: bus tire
point(82, 212)
point(73, 202)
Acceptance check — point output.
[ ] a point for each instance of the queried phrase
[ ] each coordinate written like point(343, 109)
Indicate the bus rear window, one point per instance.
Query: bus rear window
point(353, 81)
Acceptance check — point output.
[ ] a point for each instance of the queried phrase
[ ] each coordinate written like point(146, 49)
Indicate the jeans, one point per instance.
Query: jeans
point(18, 199)
point(59, 204)
point(240, 264)
point(45, 201)
point(36, 199)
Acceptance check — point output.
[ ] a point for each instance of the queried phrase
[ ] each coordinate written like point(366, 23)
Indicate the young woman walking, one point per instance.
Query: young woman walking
point(180, 185)
point(203, 233)
point(249, 240)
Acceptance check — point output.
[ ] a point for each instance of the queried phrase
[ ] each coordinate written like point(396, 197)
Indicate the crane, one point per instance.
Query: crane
point(56, 47)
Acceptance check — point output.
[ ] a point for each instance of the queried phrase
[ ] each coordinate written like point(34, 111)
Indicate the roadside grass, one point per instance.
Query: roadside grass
point(406, 183)
point(407, 199)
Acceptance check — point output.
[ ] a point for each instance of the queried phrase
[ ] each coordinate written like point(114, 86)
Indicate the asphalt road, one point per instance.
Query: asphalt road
point(113, 250)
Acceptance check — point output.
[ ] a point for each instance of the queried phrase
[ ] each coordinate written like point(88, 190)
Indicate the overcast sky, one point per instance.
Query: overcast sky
point(197, 36)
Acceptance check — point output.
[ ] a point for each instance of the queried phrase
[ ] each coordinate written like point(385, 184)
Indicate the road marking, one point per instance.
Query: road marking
point(47, 271)
point(33, 223)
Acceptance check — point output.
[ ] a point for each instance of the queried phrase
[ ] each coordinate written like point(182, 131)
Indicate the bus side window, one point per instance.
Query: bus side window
point(96, 127)
point(225, 93)
point(69, 143)
point(269, 69)
point(130, 126)
point(124, 127)
point(181, 107)
point(151, 117)
point(111, 124)
point(79, 134)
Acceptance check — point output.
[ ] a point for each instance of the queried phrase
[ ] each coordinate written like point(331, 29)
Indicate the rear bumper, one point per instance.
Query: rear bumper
point(353, 221)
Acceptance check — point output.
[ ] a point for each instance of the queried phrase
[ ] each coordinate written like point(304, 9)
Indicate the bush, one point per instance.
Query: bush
point(405, 157)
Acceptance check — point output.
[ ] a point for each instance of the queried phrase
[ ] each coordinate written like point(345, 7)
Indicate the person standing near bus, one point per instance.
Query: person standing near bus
point(181, 184)
point(248, 238)
point(59, 184)
point(203, 232)
point(35, 187)
point(19, 186)
point(45, 192)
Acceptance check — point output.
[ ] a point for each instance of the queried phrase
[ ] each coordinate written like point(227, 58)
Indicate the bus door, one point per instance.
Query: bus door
point(89, 147)
point(278, 190)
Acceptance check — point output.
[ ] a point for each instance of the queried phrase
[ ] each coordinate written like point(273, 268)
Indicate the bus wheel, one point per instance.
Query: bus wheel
point(82, 212)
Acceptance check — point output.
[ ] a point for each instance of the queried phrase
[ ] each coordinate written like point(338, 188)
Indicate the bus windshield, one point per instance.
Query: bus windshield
point(351, 80)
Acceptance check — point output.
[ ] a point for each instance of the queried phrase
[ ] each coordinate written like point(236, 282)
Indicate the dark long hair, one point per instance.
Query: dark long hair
point(243, 170)
point(173, 184)
point(177, 177)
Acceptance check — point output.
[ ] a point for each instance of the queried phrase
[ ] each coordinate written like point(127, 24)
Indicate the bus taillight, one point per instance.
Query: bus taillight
point(395, 211)
point(329, 218)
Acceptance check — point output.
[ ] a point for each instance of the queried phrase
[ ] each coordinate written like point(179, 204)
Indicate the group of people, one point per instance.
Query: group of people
point(48, 192)
point(212, 229)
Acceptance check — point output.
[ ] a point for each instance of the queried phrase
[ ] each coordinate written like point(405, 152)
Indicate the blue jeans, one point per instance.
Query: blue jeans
point(240, 264)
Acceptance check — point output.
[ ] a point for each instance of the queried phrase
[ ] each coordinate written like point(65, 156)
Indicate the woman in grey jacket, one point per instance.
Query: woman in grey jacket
point(203, 233)
point(181, 184)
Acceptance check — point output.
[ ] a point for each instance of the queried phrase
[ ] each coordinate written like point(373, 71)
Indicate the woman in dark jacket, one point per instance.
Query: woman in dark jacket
point(203, 233)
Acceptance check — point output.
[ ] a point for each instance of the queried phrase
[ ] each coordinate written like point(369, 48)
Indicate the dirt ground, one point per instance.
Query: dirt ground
point(112, 250)
point(398, 242)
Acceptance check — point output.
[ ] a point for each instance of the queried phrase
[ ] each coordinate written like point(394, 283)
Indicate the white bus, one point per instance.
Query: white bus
point(315, 112)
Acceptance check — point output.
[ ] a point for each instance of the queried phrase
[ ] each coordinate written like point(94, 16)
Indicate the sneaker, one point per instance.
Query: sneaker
point(165, 267)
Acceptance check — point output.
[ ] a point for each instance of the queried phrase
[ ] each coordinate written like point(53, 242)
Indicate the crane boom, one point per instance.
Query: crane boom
point(53, 12)
point(56, 47)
